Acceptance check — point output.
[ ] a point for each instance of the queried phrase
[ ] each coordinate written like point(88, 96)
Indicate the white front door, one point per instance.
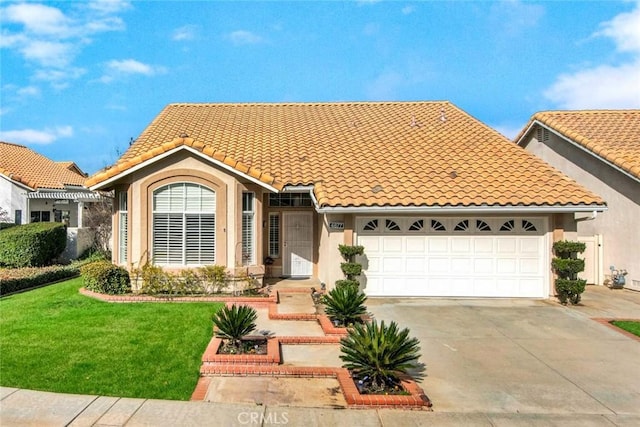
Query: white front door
point(298, 244)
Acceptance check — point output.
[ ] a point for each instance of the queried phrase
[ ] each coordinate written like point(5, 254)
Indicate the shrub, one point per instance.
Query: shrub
point(235, 322)
point(351, 269)
point(378, 354)
point(189, 282)
point(32, 244)
point(30, 277)
point(349, 252)
point(567, 266)
point(105, 278)
point(345, 303)
point(5, 225)
point(157, 281)
point(215, 277)
point(347, 282)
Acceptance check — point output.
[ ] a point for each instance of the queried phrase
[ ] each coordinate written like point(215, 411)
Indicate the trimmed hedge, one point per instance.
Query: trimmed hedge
point(4, 225)
point(105, 278)
point(32, 244)
point(34, 277)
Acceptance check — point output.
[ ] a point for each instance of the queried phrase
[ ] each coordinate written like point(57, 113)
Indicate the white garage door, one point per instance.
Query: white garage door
point(457, 257)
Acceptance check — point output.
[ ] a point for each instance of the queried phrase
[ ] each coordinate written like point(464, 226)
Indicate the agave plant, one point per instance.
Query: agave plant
point(379, 353)
point(235, 322)
point(345, 304)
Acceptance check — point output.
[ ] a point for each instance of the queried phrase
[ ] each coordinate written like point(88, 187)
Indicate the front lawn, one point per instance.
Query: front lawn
point(628, 325)
point(57, 340)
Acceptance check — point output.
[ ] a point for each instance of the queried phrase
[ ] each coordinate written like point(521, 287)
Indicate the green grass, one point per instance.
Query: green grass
point(628, 325)
point(57, 340)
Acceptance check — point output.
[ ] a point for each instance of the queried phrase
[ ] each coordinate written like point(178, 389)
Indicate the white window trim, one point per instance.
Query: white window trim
point(249, 241)
point(123, 228)
point(277, 235)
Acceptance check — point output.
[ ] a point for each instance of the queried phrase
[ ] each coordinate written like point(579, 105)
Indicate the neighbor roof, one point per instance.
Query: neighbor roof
point(612, 135)
point(361, 154)
point(21, 164)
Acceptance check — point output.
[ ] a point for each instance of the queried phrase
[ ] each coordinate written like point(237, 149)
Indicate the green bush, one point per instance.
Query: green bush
point(33, 244)
point(567, 266)
point(347, 282)
point(349, 252)
point(378, 354)
point(215, 277)
point(570, 290)
point(345, 303)
point(105, 278)
point(235, 322)
point(568, 249)
point(4, 225)
point(31, 277)
point(351, 269)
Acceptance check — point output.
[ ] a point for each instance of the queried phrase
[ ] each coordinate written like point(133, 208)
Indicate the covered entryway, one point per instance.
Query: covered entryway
point(454, 257)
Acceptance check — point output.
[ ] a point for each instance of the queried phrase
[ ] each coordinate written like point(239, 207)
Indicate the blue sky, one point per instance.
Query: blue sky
point(79, 79)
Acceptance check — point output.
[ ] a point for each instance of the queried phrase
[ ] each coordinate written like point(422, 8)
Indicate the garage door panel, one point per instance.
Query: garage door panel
point(392, 265)
point(416, 244)
point(530, 266)
point(507, 266)
point(372, 243)
point(529, 245)
point(392, 244)
point(415, 265)
point(506, 245)
point(483, 266)
point(438, 245)
point(461, 266)
point(372, 265)
point(439, 265)
point(483, 245)
point(461, 245)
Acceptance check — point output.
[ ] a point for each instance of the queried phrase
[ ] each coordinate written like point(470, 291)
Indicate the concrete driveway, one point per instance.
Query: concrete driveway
point(525, 356)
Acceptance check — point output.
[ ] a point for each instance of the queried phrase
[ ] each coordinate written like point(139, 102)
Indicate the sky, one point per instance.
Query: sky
point(80, 79)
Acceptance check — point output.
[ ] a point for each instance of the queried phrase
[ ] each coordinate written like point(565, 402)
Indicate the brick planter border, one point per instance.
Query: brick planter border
point(272, 357)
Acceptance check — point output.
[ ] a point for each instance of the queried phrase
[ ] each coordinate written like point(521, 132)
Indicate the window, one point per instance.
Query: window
point(437, 225)
point(462, 225)
point(184, 224)
point(528, 226)
point(40, 216)
point(391, 225)
point(248, 235)
point(371, 225)
point(288, 200)
point(123, 226)
point(508, 226)
point(482, 226)
point(417, 225)
point(274, 235)
point(17, 219)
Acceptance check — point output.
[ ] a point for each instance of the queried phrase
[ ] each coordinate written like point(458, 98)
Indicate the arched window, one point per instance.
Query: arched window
point(184, 224)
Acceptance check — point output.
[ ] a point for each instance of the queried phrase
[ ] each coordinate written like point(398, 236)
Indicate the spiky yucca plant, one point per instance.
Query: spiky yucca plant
point(345, 303)
point(380, 352)
point(235, 322)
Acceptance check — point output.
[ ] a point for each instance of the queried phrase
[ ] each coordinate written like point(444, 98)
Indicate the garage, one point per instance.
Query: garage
point(454, 257)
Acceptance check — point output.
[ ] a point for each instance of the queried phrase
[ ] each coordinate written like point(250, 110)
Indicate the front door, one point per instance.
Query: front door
point(298, 244)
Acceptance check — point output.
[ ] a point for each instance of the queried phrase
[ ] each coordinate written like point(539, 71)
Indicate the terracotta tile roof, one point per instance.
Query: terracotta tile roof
point(362, 153)
point(34, 170)
point(613, 135)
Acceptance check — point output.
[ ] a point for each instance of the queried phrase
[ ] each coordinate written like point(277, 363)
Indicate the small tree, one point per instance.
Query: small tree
point(378, 354)
point(345, 303)
point(350, 268)
point(234, 323)
point(567, 266)
point(97, 217)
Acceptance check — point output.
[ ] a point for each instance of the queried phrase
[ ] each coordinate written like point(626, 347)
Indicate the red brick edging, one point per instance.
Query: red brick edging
point(607, 322)
point(272, 357)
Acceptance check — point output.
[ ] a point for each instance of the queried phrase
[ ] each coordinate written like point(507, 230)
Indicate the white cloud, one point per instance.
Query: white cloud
point(184, 33)
point(605, 86)
point(513, 17)
point(28, 91)
point(59, 79)
point(241, 37)
point(34, 136)
point(123, 67)
point(49, 39)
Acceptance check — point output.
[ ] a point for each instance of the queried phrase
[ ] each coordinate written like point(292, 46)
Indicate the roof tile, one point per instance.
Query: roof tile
point(411, 153)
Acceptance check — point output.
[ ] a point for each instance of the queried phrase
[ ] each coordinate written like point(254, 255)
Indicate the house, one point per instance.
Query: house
point(599, 149)
point(443, 204)
point(34, 188)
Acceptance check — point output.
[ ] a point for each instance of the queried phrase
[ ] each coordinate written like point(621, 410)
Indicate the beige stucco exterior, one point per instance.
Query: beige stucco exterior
point(618, 226)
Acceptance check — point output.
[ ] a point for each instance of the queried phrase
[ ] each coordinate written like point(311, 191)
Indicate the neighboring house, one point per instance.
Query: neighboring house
point(600, 150)
point(34, 188)
point(443, 204)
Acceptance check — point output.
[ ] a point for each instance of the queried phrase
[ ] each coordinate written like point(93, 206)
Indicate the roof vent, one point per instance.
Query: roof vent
point(453, 174)
point(414, 123)
point(376, 189)
point(443, 115)
point(184, 135)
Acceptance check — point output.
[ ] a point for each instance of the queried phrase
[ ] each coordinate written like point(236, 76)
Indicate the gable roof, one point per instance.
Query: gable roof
point(360, 154)
point(23, 165)
point(611, 135)
point(72, 166)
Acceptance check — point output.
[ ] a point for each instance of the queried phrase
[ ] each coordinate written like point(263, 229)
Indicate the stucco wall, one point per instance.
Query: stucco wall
point(12, 198)
point(619, 224)
point(329, 257)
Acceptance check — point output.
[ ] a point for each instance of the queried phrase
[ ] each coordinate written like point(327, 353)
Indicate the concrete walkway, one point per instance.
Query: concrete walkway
point(487, 362)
